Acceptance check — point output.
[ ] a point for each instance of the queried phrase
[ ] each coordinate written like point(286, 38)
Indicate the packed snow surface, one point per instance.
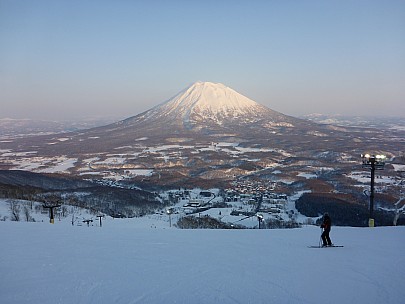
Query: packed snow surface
point(135, 261)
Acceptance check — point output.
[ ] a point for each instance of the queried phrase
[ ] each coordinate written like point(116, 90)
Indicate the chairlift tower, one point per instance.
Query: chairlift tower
point(51, 207)
point(372, 162)
point(100, 216)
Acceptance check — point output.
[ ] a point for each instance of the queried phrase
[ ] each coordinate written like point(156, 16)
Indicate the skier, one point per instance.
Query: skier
point(326, 224)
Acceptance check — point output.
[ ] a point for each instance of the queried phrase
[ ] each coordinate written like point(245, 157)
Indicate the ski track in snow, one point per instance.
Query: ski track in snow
point(125, 261)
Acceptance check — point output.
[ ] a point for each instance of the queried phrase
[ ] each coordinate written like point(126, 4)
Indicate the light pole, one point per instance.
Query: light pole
point(169, 212)
point(372, 162)
point(259, 218)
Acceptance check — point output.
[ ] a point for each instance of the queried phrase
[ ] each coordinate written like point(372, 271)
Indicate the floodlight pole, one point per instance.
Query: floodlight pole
point(169, 212)
point(372, 162)
point(259, 218)
point(371, 218)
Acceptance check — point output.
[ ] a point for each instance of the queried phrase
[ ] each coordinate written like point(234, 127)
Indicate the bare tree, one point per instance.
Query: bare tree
point(15, 209)
point(27, 213)
point(398, 211)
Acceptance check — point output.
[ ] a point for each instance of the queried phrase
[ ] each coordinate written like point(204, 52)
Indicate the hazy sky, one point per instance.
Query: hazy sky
point(73, 59)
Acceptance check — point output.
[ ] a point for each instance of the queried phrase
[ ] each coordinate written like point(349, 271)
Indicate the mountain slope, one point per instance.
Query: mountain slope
point(128, 261)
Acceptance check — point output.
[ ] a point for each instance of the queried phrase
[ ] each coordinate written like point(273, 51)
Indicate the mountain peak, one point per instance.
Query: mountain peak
point(207, 105)
point(215, 97)
point(210, 99)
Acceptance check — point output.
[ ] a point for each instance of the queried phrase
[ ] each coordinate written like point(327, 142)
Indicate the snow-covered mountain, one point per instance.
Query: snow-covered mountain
point(215, 102)
point(212, 99)
point(206, 133)
point(208, 104)
point(203, 112)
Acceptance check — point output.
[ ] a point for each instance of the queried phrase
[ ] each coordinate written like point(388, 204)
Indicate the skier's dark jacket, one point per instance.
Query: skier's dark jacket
point(326, 222)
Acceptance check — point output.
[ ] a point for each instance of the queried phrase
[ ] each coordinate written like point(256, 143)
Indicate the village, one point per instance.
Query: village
point(248, 203)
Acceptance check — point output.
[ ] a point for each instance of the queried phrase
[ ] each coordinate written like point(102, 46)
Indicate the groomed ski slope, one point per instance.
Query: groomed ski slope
point(125, 262)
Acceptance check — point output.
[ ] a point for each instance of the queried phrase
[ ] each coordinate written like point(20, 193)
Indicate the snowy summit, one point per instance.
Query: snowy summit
point(215, 98)
point(210, 102)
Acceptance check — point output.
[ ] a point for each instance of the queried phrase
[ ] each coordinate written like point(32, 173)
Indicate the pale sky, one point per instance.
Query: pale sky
point(73, 59)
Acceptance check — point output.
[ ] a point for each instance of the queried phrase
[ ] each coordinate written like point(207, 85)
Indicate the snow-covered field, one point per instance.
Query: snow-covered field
point(107, 165)
point(136, 261)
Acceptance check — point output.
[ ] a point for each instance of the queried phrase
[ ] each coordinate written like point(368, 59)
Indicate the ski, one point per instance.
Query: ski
point(325, 246)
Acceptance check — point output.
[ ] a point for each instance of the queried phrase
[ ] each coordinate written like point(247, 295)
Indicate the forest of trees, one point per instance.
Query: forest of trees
point(343, 211)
